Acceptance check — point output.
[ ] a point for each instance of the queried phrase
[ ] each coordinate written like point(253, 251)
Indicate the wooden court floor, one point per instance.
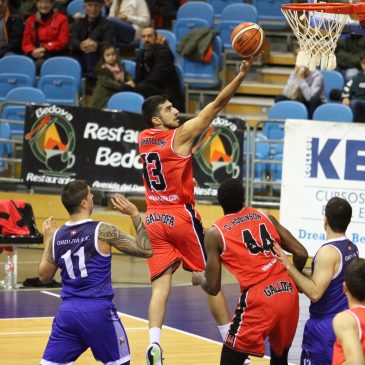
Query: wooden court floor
point(189, 337)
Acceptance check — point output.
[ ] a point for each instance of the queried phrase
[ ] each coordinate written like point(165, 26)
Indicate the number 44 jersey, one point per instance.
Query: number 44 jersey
point(248, 237)
point(168, 176)
point(85, 270)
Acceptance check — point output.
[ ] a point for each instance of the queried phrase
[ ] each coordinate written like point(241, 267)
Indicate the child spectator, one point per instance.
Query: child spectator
point(46, 33)
point(111, 77)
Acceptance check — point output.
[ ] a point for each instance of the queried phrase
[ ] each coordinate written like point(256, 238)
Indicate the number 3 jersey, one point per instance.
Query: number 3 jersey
point(168, 176)
point(85, 270)
point(248, 237)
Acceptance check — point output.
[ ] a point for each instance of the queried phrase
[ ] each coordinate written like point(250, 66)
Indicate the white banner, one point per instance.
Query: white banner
point(322, 160)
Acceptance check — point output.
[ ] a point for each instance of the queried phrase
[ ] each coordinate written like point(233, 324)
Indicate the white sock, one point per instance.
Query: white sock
point(224, 330)
point(155, 334)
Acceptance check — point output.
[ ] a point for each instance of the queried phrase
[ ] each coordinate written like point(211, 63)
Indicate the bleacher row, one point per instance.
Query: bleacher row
point(62, 83)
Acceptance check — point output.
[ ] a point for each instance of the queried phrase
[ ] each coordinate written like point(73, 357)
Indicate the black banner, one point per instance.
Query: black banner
point(63, 143)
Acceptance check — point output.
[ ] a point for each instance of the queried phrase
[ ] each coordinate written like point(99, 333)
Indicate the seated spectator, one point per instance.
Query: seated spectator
point(46, 33)
point(129, 18)
point(88, 36)
point(155, 70)
point(11, 30)
point(304, 86)
point(110, 77)
point(348, 53)
point(26, 8)
point(354, 93)
point(163, 12)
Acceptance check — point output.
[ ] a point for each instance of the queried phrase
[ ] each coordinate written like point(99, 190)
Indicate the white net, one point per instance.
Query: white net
point(317, 33)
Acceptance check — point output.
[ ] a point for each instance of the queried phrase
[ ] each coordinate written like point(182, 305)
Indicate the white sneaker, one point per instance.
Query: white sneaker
point(247, 361)
point(154, 354)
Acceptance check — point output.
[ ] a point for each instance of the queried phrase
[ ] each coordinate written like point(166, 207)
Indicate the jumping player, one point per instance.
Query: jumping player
point(81, 248)
point(173, 225)
point(324, 286)
point(349, 325)
point(243, 241)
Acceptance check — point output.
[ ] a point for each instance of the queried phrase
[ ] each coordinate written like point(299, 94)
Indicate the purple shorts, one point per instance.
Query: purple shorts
point(83, 323)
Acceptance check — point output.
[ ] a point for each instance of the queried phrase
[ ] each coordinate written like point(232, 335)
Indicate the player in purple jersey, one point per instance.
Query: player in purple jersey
point(81, 248)
point(323, 285)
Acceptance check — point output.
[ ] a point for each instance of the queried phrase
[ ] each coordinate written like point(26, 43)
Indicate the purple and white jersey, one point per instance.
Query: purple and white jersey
point(334, 300)
point(85, 270)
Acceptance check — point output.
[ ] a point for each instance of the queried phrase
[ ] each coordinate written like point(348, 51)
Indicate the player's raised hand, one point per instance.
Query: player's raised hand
point(49, 228)
point(123, 205)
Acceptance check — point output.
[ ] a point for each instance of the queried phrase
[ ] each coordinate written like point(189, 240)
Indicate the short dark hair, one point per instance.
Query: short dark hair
point(231, 195)
point(73, 194)
point(151, 108)
point(355, 278)
point(338, 212)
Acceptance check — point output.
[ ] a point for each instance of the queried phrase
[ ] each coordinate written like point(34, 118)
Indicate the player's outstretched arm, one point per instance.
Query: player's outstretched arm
point(47, 266)
point(194, 127)
point(291, 244)
point(121, 241)
point(347, 333)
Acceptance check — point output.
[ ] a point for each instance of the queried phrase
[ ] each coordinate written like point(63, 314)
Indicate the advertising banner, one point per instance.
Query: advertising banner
point(322, 160)
point(63, 143)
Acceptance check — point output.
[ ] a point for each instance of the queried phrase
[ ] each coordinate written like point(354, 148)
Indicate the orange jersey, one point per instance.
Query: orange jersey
point(167, 176)
point(359, 315)
point(249, 235)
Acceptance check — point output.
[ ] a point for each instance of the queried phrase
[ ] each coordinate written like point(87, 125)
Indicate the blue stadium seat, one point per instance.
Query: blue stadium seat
point(232, 15)
point(5, 147)
point(270, 15)
point(77, 7)
point(128, 101)
point(170, 39)
point(333, 112)
point(191, 15)
point(332, 80)
point(130, 67)
point(13, 112)
point(288, 109)
point(61, 80)
point(219, 5)
point(16, 71)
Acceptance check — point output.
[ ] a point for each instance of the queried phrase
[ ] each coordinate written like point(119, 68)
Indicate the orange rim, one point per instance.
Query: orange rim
point(339, 8)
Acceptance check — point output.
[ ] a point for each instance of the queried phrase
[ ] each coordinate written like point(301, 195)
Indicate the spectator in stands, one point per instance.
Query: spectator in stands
point(163, 12)
point(11, 30)
point(89, 35)
point(155, 70)
point(46, 33)
point(26, 8)
point(354, 93)
point(110, 77)
point(107, 6)
point(129, 18)
point(305, 86)
point(348, 54)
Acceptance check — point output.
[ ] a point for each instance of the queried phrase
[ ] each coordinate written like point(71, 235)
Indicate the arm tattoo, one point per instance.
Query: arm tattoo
point(124, 242)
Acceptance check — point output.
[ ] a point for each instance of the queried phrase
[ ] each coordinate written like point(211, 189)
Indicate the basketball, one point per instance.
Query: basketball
point(247, 39)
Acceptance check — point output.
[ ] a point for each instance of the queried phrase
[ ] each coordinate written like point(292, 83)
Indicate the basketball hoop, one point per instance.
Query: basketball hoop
point(317, 27)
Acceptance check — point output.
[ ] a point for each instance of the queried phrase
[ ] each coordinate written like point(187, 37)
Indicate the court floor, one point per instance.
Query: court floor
point(190, 335)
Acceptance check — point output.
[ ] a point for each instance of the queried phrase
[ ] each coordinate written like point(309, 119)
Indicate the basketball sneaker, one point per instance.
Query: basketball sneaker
point(154, 354)
point(247, 361)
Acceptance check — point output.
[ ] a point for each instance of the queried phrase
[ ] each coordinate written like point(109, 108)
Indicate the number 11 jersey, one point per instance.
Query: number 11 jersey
point(167, 176)
point(85, 270)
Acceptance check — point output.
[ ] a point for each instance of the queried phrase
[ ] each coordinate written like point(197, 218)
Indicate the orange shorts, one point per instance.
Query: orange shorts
point(177, 235)
point(268, 309)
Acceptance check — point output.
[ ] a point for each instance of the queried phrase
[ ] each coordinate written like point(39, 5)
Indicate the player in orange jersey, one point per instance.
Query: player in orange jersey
point(243, 240)
point(174, 227)
point(349, 325)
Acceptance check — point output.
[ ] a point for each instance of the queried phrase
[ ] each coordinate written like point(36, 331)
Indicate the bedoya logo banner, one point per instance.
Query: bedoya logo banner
point(322, 160)
point(66, 143)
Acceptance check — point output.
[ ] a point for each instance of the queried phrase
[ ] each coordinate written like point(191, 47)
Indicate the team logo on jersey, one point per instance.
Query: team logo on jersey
point(217, 154)
point(52, 140)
